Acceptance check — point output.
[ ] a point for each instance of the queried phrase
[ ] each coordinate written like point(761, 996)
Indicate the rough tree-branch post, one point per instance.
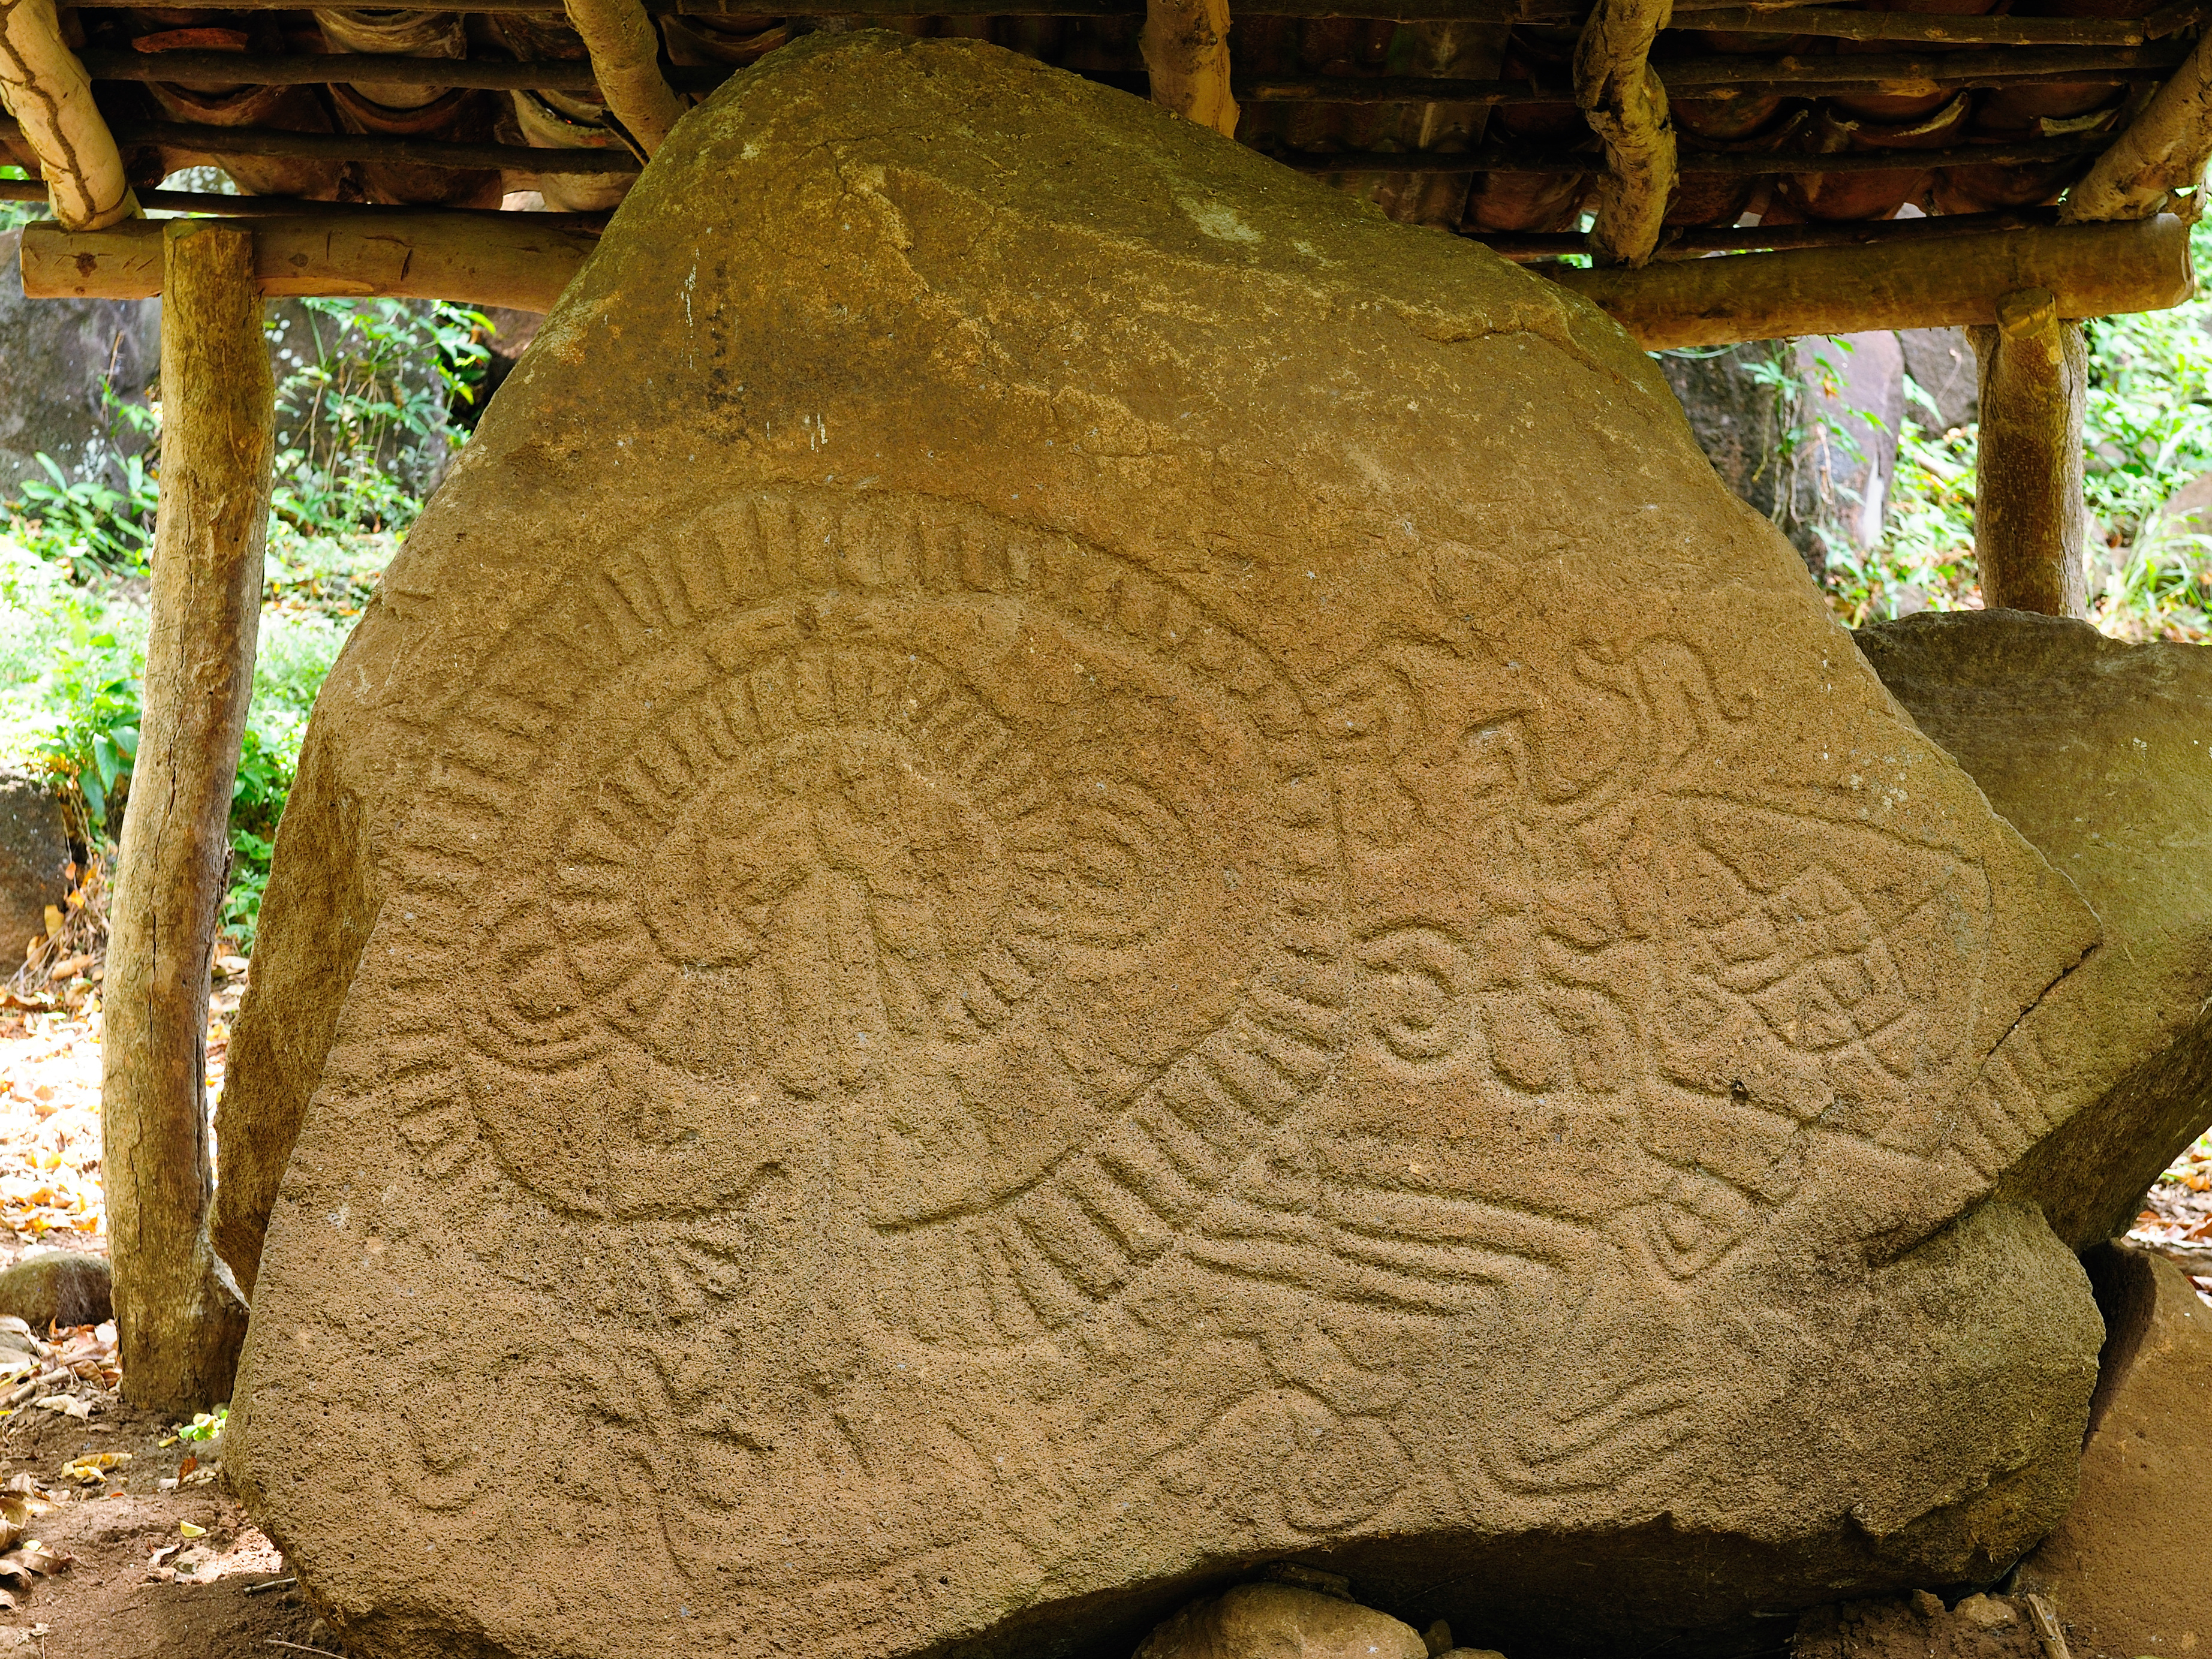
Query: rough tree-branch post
point(2029, 525)
point(179, 1316)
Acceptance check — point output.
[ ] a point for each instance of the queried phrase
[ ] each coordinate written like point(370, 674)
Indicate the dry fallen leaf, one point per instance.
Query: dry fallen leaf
point(90, 1470)
point(34, 1558)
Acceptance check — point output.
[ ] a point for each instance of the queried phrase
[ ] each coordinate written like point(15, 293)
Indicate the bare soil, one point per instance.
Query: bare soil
point(136, 1586)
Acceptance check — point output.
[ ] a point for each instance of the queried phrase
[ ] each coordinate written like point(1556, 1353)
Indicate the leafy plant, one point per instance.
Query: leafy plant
point(96, 522)
point(367, 399)
point(13, 214)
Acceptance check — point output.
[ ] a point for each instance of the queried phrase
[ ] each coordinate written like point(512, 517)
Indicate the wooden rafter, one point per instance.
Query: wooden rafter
point(625, 50)
point(1885, 74)
point(1625, 103)
point(1185, 47)
point(1503, 158)
point(2164, 149)
point(46, 89)
point(1834, 23)
point(193, 140)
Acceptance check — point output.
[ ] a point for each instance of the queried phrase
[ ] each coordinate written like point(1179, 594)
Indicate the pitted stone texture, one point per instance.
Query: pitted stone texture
point(2126, 1567)
point(1087, 870)
point(2100, 753)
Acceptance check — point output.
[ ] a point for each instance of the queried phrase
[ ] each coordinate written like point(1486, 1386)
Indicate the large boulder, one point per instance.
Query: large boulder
point(60, 358)
point(2100, 753)
point(1940, 363)
point(1078, 869)
point(1277, 1621)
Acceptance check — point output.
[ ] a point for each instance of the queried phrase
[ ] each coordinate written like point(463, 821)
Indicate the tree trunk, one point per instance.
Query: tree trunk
point(177, 1310)
point(2028, 508)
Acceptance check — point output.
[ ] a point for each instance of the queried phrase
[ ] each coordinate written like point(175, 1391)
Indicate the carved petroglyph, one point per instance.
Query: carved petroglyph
point(1021, 881)
point(1000, 925)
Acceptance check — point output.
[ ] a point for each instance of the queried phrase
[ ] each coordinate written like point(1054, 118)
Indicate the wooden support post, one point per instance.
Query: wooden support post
point(43, 87)
point(625, 52)
point(177, 1310)
point(1185, 47)
point(2028, 527)
point(1625, 103)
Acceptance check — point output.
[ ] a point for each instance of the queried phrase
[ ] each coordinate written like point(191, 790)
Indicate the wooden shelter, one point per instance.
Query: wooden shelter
point(1732, 171)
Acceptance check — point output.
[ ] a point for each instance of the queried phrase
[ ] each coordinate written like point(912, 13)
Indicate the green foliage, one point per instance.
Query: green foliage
point(73, 665)
point(359, 407)
point(206, 1427)
point(89, 523)
point(2148, 431)
point(367, 397)
point(13, 214)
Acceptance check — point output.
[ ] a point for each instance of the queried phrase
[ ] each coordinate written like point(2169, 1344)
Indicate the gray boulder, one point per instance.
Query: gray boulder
point(1942, 364)
point(1743, 401)
point(34, 859)
point(2097, 751)
point(1853, 408)
point(57, 1287)
point(56, 357)
point(1804, 432)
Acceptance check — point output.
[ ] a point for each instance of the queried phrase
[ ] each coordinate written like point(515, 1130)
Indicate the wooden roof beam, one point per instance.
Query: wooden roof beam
point(2164, 149)
point(512, 259)
point(1185, 47)
point(46, 89)
point(2090, 270)
point(1625, 103)
point(521, 260)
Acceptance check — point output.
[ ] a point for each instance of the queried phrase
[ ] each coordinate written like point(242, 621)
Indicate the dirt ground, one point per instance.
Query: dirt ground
point(130, 1583)
point(136, 1584)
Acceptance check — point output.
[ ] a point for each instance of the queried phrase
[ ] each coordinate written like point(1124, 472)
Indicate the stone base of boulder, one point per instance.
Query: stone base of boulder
point(2126, 1568)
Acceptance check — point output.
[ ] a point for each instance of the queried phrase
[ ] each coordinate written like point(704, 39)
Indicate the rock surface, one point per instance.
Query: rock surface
point(2126, 1568)
point(57, 1287)
point(2100, 753)
point(1804, 431)
point(1744, 402)
point(1280, 1621)
point(1853, 410)
point(1942, 363)
point(57, 356)
point(1086, 870)
point(34, 855)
